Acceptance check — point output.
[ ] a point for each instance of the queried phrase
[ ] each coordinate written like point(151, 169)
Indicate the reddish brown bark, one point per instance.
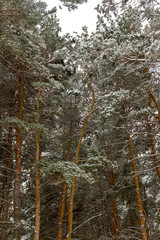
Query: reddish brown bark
point(153, 149)
point(115, 216)
point(37, 157)
point(70, 132)
point(138, 195)
point(70, 217)
point(98, 223)
point(152, 98)
point(91, 223)
point(37, 217)
point(115, 219)
point(146, 215)
point(17, 181)
point(151, 137)
point(62, 206)
point(61, 212)
point(64, 190)
point(102, 205)
point(6, 187)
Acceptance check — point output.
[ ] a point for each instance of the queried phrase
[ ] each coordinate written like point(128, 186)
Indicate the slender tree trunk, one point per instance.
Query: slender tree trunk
point(91, 223)
point(6, 187)
point(146, 215)
point(153, 98)
point(152, 141)
point(37, 157)
point(115, 217)
point(153, 149)
point(115, 220)
point(102, 206)
point(62, 204)
point(138, 195)
point(70, 217)
point(64, 190)
point(17, 182)
point(132, 222)
point(61, 212)
point(98, 223)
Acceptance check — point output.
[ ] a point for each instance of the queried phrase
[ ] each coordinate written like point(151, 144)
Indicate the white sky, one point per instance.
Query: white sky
point(74, 21)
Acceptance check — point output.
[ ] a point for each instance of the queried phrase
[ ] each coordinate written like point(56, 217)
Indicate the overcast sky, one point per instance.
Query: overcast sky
point(74, 21)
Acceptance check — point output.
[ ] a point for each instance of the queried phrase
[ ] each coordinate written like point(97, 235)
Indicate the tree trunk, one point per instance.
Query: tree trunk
point(6, 187)
point(115, 217)
point(152, 141)
point(115, 220)
point(146, 215)
point(102, 205)
point(91, 223)
point(64, 190)
point(153, 149)
point(152, 97)
point(37, 157)
point(70, 217)
point(98, 223)
point(17, 182)
point(138, 195)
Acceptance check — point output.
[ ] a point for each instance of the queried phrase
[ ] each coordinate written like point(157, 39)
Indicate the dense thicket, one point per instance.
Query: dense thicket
point(79, 146)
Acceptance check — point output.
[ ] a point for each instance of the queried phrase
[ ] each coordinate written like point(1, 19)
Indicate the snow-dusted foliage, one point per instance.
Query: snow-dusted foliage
point(107, 81)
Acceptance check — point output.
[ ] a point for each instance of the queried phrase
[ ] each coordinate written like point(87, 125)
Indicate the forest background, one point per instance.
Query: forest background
point(79, 120)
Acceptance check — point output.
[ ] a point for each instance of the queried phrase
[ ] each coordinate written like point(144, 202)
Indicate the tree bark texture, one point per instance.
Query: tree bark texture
point(91, 223)
point(115, 216)
point(98, 223)
point(138, 195)
point(6, 187)
point(70, 217)
point(37, 157)
point(102, 206)
point(153, 149)
point(146, 215)
point(64, 190)
point(17, 181)
point(151, 136)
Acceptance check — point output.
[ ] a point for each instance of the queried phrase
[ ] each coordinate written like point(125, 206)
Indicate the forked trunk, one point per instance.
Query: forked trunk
point(70, 217)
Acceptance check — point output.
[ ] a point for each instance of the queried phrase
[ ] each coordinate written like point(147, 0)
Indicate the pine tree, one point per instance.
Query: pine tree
point(112, 169)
